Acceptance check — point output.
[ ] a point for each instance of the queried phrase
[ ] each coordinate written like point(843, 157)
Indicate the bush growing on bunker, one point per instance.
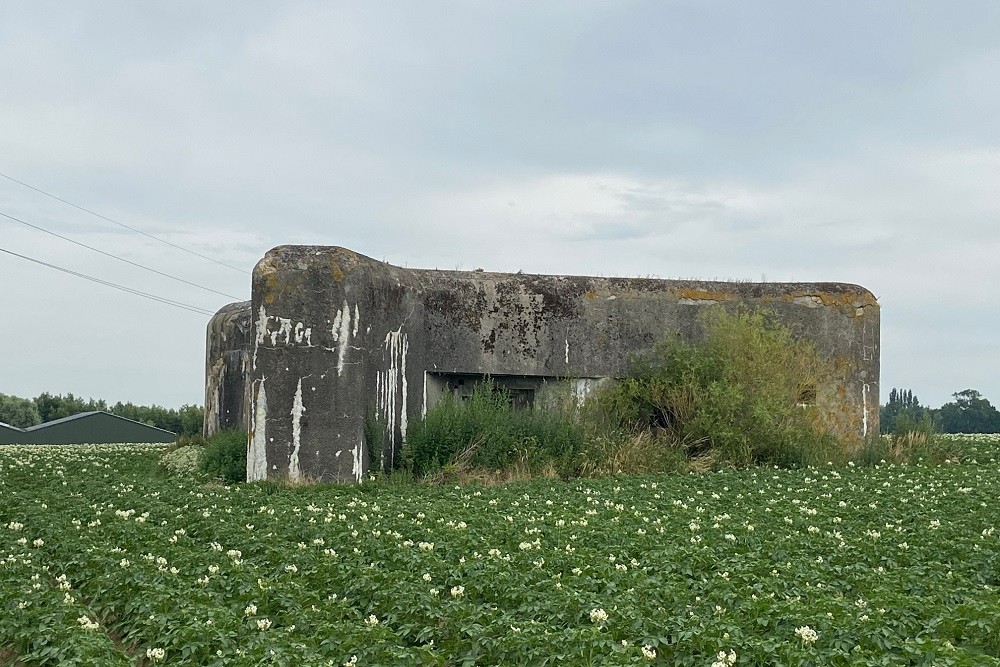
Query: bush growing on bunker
point(745, 395)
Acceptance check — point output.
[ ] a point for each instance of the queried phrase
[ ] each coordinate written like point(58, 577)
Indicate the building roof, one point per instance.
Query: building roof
point(84, 415)
point(85, 428)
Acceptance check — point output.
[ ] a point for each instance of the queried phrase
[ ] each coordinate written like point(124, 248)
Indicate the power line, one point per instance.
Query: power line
point(120, 259)
point(121, 224)
point(147, 295)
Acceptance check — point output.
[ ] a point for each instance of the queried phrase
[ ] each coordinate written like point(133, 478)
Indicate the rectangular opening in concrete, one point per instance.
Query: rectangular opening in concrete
point(525, 391)
point(520, 388)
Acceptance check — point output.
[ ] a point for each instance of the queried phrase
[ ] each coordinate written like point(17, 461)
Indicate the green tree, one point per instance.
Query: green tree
point(57, 406)
point(904, 413)
point(185, 421)
point(17, 411)
point(969, 413)
point(192, 419)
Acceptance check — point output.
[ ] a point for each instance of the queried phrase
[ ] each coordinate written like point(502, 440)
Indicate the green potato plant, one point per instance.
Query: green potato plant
point(822, 565)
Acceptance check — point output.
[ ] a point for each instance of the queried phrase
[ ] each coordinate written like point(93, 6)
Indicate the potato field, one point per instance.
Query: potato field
point(104, 563)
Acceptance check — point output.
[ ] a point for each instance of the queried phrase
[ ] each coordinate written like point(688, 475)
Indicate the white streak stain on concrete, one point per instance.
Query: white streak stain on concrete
point(391, 384)
point(335, 330)
point(402, 407)
point(302, 332)
point(567, 351)
point(385, 402)
point(357, 321)
point(356, 455)
point(257, 454)
point(341, 334)
point(261, 327)
point(864, 408)
point(294, 472)
point(299, 332)
point(262, 319)
point(423, 406)
point(285, 328)
point(581, 390)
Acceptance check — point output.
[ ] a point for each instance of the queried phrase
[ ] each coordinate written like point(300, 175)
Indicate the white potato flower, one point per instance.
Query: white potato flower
point(806, 634)
point(725, 659)
point(88, 624)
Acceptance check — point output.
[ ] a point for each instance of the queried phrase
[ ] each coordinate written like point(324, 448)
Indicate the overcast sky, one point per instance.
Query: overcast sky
point(810, 141)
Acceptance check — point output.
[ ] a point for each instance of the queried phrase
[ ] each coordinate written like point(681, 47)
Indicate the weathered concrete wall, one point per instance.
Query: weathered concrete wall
point(226, 359)
point(341, 341)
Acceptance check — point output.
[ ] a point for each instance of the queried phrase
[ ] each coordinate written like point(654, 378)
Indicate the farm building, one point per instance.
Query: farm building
point(84, 428)
point(10, 434)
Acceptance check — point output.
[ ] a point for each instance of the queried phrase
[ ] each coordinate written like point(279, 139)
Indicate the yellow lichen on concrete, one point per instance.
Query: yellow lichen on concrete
point(705, 295)
point(341, 259)
point(837, 414)
point(267, 272)
point(272, 287)
point(852, 303)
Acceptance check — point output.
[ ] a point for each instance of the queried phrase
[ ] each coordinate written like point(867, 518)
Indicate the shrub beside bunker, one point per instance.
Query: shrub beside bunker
point(225, 456)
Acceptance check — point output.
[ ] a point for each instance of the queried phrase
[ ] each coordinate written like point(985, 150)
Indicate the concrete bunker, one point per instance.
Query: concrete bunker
point(226, 347)
point(339, 342)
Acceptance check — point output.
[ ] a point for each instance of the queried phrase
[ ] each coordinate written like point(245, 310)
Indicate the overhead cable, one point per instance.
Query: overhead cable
point(147, 295)
point(120, 259)
point(121, 224)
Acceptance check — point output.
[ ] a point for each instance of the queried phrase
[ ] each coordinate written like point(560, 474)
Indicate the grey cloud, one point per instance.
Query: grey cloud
point(851, 141)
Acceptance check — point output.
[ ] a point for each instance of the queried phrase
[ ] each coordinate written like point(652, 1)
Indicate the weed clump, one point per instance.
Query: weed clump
point(225, 456)
point(909, 447)
point(182, 460)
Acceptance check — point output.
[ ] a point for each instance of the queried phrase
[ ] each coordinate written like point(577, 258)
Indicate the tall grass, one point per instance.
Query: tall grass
point(485, 432)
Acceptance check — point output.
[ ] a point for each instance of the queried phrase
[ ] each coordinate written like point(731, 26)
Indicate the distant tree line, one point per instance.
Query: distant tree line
point(968, 413)
point(25, 412)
